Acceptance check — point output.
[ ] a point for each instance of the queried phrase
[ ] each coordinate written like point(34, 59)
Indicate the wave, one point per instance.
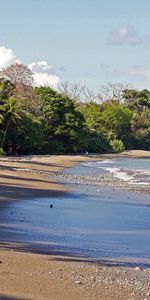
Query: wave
point(131, 175)
point(125, 176)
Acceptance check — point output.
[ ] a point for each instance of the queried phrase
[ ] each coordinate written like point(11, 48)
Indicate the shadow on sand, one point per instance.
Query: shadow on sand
point(9, 235)
point(5, 297)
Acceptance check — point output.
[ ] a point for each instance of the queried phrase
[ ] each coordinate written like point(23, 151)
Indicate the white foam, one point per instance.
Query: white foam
point(90, 164)
point(106, 161)
point(95, 164)
point(120, 173)
point(123, 175)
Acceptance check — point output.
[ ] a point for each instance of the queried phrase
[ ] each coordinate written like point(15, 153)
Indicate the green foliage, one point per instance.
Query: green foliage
point(117, 118)
point(29, 137)
point(91, 112)
point(117, 146)
point(141, 139)
point(10, 117)
point(6, 89)
point(137, 100)
point(97, 143)
point(64, 123)
point(109, 120)
point(41, 120)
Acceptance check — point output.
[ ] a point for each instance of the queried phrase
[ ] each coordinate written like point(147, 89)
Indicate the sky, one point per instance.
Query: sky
point(88, 41)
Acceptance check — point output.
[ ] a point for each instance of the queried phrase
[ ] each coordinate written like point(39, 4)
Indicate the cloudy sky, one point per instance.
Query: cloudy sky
point(87, 41)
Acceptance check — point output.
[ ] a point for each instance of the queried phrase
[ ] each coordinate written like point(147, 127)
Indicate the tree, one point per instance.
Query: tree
point(109, 120)
point(77, 92)
point(63, 121)
point(18, 74)
point(29, 135)
point(117, 118)
point(6, 89)
point(11, 116)
point(74, 91)
point(136, 100)
point(92, 114)
point(28, 100)
point(41, 120)
point(112, 91)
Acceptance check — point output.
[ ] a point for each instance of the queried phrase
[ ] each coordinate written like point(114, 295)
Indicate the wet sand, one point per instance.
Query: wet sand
point(26, 275)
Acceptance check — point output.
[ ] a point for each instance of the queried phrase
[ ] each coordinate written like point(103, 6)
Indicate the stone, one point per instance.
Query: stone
point(138, 269)
point(78, 282)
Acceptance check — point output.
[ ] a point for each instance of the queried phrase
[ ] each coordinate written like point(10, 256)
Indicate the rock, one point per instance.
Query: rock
point(78, 282)
point(137, 269)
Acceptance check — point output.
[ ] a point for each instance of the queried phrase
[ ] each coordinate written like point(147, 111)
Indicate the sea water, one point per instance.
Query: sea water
point(134, 171)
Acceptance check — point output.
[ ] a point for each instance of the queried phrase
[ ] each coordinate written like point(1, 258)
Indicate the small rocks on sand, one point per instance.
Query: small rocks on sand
point(138, 269)
point(78, 282)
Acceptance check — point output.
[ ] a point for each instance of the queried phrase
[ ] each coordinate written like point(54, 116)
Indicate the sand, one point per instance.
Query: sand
point(26, 275)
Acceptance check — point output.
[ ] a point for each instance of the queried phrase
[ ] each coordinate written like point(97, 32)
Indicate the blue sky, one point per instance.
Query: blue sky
point(87, 41)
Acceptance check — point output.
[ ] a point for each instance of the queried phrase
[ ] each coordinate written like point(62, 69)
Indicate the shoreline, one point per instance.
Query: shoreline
point(58, 277)
point(104, 181)
point(38, 175)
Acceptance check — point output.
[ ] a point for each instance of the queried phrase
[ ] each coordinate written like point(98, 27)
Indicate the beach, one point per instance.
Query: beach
point(28, 275)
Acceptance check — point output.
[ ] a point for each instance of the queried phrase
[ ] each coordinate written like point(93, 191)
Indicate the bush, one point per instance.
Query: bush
point(117, 146)
point(1, 152)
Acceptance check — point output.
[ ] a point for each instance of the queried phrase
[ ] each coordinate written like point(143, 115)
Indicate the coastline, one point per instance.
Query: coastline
point(57, 277)
point(37, 175)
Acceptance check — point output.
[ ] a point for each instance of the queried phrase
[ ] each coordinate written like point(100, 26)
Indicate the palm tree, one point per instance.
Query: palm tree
point(11, 116)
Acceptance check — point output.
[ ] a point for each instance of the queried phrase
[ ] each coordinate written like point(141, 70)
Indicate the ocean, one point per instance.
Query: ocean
point(134, 171)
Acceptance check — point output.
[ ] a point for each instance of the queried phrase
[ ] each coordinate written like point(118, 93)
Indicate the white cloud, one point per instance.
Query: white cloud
point(41, 66)
point(7, 57)
point(43, 74)
point(124, 36)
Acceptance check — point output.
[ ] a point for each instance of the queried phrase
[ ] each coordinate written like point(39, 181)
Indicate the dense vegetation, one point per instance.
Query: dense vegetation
point(44, 121)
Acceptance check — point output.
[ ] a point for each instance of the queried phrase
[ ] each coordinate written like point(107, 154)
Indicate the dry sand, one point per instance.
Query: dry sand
point(33, 276)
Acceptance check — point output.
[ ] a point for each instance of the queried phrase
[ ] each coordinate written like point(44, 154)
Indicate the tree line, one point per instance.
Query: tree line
point(40, 120)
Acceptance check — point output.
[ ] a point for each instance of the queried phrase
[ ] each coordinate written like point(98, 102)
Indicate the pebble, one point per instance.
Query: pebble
point(78, 282)
point(138, 269)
